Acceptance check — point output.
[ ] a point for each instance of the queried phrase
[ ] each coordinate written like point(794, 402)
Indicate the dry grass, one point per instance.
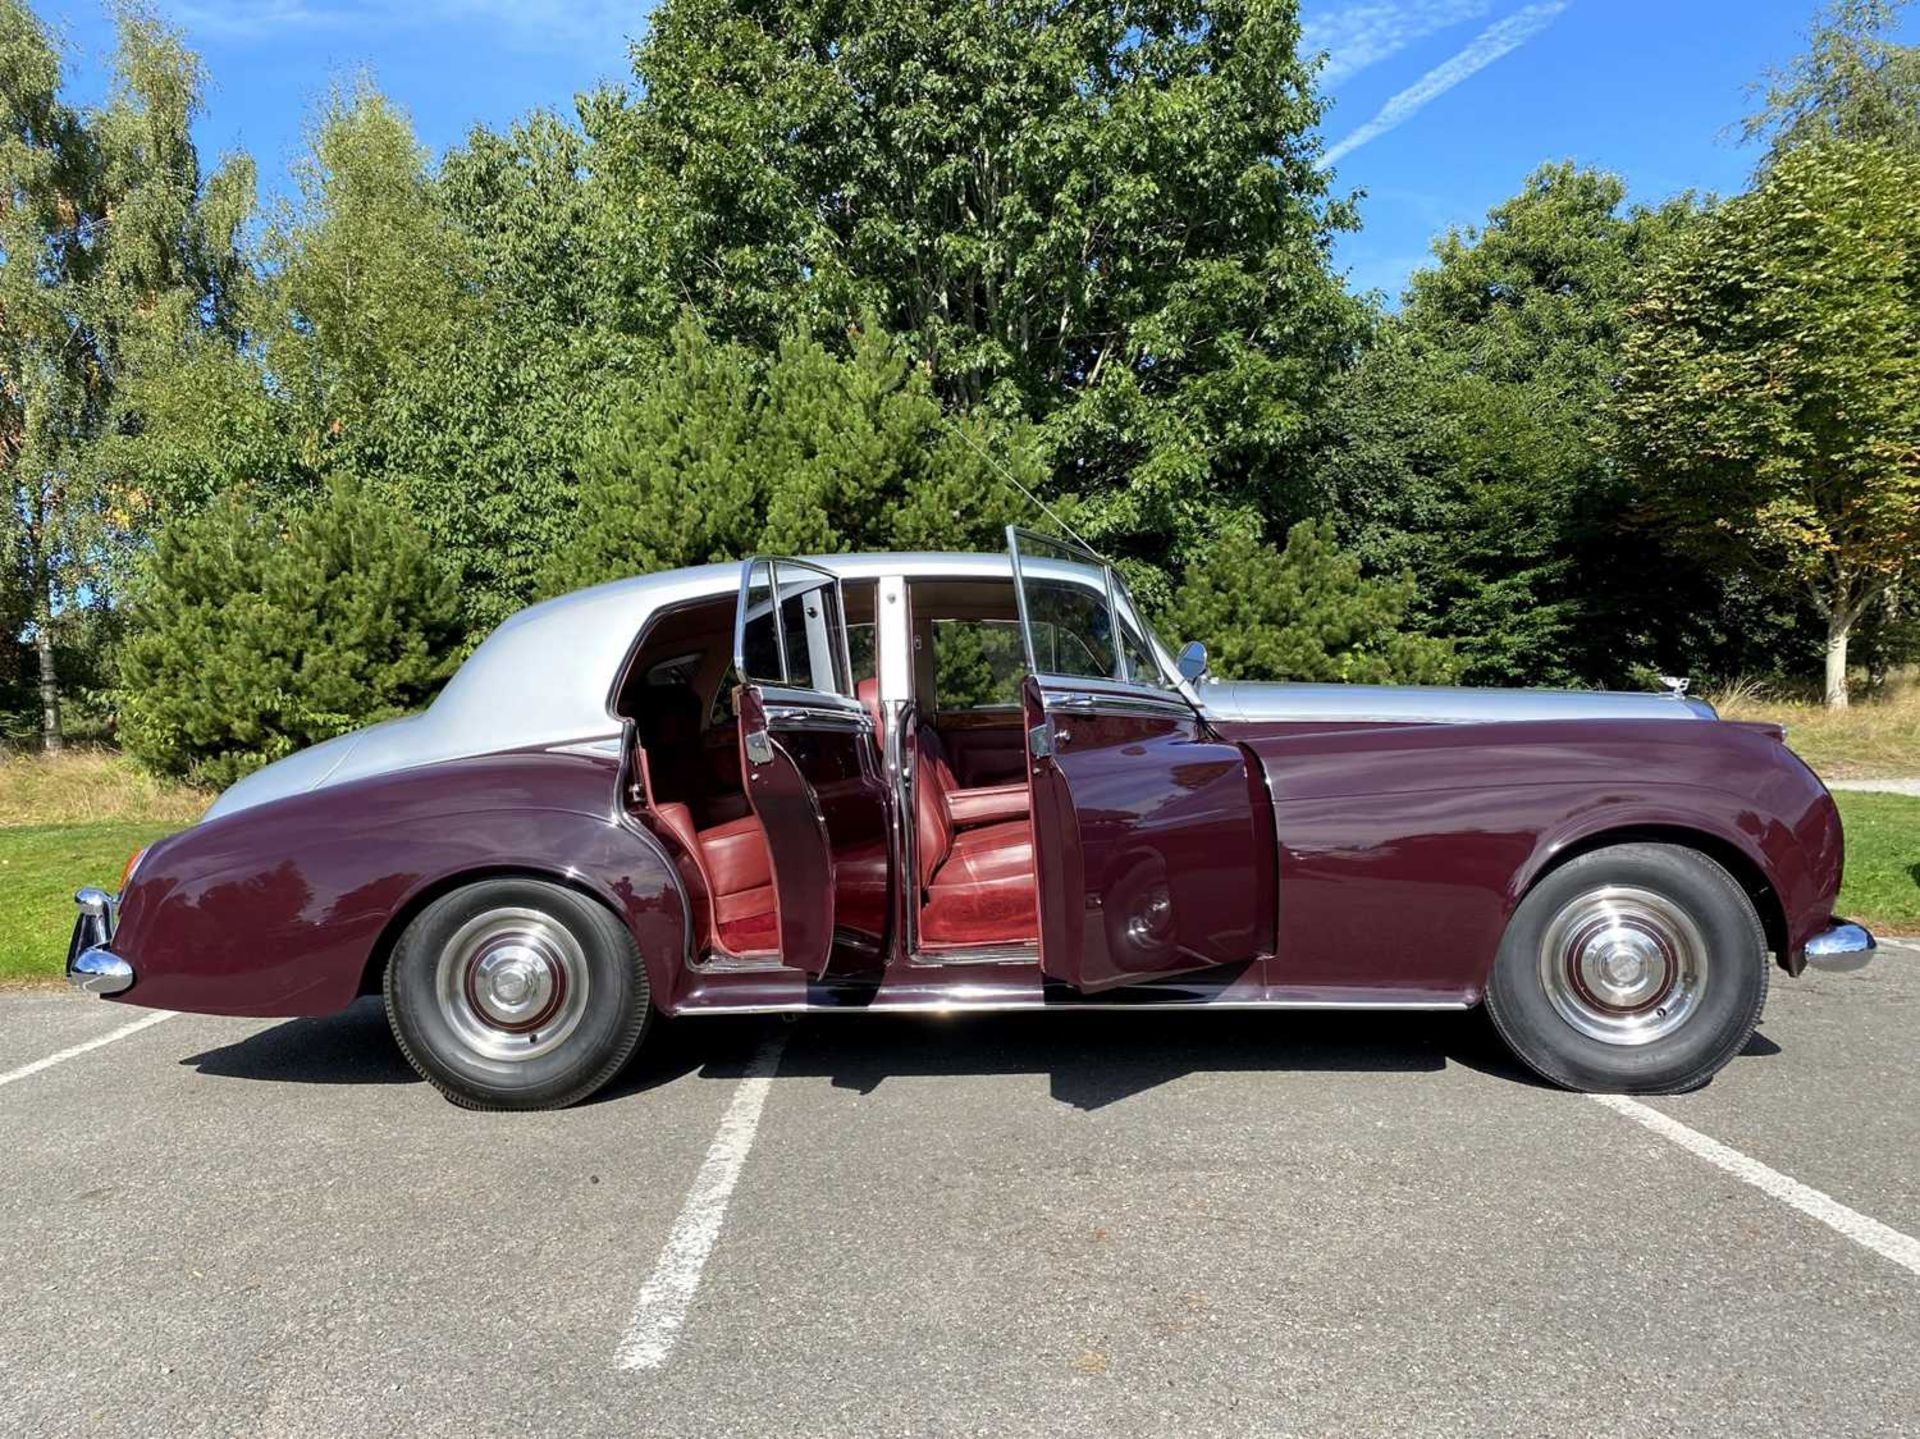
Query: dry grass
point(1873, 739)
point(90, 786)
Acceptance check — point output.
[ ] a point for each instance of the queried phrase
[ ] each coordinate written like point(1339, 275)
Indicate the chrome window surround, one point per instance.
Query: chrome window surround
point(775, 564)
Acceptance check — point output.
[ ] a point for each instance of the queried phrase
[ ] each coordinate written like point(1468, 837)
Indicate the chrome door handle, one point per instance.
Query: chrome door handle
point(1072, 702)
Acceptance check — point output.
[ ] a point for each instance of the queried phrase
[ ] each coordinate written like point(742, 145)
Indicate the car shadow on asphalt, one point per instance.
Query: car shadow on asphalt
point(1090, 1060)
point(352, 1047)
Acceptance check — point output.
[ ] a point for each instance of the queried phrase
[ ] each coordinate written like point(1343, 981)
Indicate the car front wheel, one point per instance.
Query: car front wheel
point(1639, 968)
point(516, 994)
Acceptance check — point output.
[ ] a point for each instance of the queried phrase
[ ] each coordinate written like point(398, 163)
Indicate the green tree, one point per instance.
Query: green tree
point(259, 628)
point(1770, 394)
point(722, 454)
point(1851, 83)
point(114, 252)
point(1304, 613)
point(1469, 445)
point(485, 438)
point(1102, 217)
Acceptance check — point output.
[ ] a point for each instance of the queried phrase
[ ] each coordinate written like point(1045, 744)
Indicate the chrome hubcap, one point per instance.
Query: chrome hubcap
point(512, 984)
point(1623, 965)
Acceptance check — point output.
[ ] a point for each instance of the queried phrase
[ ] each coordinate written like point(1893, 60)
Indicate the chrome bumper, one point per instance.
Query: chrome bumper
point(91, 966)
point(1843, 947)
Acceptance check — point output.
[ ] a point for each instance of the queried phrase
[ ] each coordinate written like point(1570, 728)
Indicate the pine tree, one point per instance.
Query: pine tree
point(258, 629)
point(1303, 613)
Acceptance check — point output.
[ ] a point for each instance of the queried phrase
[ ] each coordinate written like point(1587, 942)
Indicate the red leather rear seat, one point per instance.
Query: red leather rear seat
point(736, 870)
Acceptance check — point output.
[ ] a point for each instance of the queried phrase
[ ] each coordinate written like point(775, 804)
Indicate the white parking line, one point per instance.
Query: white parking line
point(1882, 1239)
point(662, 1307)
point(144, 1022)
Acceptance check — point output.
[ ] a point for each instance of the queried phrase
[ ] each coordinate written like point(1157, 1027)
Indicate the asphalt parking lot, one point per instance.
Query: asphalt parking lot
point(1090, 1224)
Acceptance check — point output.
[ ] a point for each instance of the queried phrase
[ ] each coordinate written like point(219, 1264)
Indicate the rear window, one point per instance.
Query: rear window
point(977, 664)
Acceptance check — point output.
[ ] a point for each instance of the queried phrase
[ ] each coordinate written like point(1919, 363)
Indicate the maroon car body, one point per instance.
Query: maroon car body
point(1215, 845)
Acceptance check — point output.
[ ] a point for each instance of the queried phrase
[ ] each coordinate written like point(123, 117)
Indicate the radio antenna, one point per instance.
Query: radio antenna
point(1014, 480)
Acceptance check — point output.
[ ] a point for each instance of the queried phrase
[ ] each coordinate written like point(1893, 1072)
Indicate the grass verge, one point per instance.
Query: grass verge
point(1871, 739)
point(91, 786)
point(1882, 885)
point(40, 868)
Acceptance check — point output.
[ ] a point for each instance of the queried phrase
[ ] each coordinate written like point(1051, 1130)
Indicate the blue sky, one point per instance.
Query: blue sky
point(1441, 107)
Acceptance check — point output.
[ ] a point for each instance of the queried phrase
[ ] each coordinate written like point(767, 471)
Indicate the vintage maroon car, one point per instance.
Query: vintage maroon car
point(907, 783)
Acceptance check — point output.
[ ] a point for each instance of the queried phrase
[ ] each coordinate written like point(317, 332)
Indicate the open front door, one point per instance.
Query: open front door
point(807, 751)
point(1151, 839)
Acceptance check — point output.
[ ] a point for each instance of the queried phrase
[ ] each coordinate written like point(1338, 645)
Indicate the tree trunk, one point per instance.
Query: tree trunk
point(1839, 625)
point(50, 737)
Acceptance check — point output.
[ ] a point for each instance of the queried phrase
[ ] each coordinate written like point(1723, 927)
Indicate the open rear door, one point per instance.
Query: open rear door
point(1148, 842)
point(807, 750)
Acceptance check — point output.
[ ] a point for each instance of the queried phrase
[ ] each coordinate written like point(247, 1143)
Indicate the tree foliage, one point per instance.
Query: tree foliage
point(115, 254)
point(1771, 387)
point(1469, 445)
point(722, 454)
point(1304, 613)
point(1101, 217)
point(1853, 82)
point(258, 628)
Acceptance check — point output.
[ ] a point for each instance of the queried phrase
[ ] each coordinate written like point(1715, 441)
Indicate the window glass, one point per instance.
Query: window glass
point(976, 664)
point(810, 622)
point(1142, 667)
point(860, 652)
point(1072, 628)
point(797, 645)
point(759, 645)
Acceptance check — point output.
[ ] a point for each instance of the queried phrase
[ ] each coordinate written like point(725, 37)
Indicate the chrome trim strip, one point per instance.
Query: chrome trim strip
point(1172, 707)
point(1001, 1006)
point(1844, 947)
point(1013, 952)
point(805, 717)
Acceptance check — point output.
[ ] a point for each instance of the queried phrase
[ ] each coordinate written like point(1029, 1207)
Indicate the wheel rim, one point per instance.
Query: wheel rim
point(1622, 965)
point(512, 984)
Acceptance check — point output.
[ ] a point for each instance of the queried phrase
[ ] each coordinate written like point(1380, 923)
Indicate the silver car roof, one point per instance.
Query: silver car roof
point(546, 675)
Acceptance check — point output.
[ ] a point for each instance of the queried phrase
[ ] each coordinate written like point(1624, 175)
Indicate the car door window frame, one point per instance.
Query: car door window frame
point(1120, 686)
point(784, 690)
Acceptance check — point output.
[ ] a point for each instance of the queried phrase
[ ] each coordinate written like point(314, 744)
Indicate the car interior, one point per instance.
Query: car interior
point(964, 754)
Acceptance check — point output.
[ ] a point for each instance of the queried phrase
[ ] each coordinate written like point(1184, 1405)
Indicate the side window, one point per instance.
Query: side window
point(977, 664)
point(759, 645)
point(1072, 629)
point(860, 652)
point(1142, 667)
point(796, 642)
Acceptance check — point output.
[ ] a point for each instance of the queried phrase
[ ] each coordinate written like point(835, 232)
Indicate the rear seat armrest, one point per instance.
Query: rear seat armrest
point(988, 804)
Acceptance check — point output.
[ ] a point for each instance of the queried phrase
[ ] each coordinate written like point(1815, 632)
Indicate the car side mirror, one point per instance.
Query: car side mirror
point(1193, 661)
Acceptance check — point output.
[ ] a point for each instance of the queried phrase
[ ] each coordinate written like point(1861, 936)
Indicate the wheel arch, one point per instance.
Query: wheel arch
point(416, 903)
point(1747, 870)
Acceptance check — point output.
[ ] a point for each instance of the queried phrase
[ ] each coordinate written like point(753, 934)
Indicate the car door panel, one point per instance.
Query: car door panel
point(812, 776)
point(1148, 850)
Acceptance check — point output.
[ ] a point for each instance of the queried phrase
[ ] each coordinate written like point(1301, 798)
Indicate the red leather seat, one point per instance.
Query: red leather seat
point(735, 869)
point(981, 804)
point(977, 885)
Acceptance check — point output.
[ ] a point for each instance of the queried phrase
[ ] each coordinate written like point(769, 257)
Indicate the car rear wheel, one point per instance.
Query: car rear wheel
point(1640, 968)
point(516, 994)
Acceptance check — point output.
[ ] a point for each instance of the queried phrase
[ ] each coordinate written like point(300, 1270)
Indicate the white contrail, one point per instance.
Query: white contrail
point(1489, 45)
point(1357, 36)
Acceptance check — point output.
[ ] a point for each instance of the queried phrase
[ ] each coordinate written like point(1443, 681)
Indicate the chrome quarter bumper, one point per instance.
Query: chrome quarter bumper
point(1844, 946)
point(91, 966)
